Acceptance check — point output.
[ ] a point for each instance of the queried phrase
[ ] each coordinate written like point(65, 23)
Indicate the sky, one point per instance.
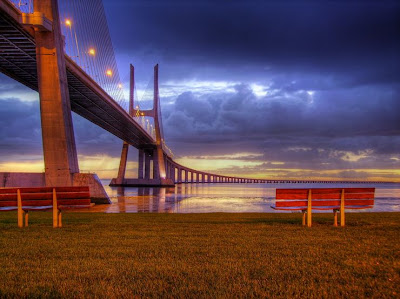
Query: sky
point(263, 89)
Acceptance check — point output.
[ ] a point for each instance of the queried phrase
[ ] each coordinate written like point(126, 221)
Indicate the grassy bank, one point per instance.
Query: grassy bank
point(200, 255)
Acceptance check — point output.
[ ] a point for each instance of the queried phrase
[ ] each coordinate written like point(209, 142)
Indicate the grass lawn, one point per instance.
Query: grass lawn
point(200, 255)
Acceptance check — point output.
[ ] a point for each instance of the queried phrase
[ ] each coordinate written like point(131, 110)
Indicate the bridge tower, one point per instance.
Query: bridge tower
point(154, 153)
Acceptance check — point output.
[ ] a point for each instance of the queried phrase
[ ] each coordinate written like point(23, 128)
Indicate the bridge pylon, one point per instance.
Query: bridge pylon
point(151, 159)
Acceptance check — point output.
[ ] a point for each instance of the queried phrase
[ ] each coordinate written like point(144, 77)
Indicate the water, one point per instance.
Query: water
point(230, 198)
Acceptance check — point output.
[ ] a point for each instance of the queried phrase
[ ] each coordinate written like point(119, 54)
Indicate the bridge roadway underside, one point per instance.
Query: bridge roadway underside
point(88, 99)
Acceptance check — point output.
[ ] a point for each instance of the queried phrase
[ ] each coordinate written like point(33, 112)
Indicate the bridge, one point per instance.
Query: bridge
point(39, 48)
point(74, 69)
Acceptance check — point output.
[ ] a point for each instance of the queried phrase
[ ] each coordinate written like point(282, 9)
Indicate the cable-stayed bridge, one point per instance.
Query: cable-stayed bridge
point(63, 50)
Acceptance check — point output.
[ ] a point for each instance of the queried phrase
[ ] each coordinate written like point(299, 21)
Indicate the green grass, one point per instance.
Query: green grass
point(200, 255)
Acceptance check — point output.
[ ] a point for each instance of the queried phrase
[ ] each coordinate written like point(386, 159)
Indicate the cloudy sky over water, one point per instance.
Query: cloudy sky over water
point(253, 88)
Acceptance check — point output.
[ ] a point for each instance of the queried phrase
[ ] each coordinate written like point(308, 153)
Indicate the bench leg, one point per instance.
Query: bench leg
point(59, 219)
point(55, 217)
point(335, 217)
point(20, 218)
point(342, 204)
point(20, 212)
point(342, 218)
point(55, 209)
point(304, 217)
point(309, 208)
point(26, 218)
point(309, 218)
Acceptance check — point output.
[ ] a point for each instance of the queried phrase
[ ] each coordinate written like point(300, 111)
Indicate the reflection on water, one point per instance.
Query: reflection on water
point(232, 198)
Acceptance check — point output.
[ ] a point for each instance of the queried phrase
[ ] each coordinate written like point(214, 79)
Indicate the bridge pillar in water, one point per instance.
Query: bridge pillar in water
point(179, 175)
point(147, 166)
point(186, 176)
point(172, 173)
point(140, 164)
point(156, 165)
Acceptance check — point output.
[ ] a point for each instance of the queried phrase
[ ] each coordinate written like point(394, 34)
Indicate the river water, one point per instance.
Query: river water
point(220, 197)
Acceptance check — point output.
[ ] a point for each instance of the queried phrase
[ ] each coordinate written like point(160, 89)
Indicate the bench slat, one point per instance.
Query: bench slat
point(316, 203)
point(68, 207)
point(28, 190)
point(32, 208)
point(73, 189)
point(325, 193)
point(320, 208)
point(77, 195)
point(44, 196)
point(44, 189)
point(328, 196)
point(7, 197)
point(73, 202)
point(37, 203)
point(10, 203)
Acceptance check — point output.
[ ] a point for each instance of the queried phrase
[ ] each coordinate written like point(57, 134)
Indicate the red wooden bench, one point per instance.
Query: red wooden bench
point(44, 198)
point(335, 199)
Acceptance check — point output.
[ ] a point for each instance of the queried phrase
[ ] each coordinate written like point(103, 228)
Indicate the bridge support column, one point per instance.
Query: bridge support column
point(140, 164)
point(179, 175)
point(122, 163)
point(167, 165)
point(156, 166)
point(172, 172)
point(147, 166)
point(60, 157)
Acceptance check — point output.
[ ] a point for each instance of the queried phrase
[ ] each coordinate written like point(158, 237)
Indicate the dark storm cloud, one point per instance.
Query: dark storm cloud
point(329, 129)
point(339, 113)
point(358, 39)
